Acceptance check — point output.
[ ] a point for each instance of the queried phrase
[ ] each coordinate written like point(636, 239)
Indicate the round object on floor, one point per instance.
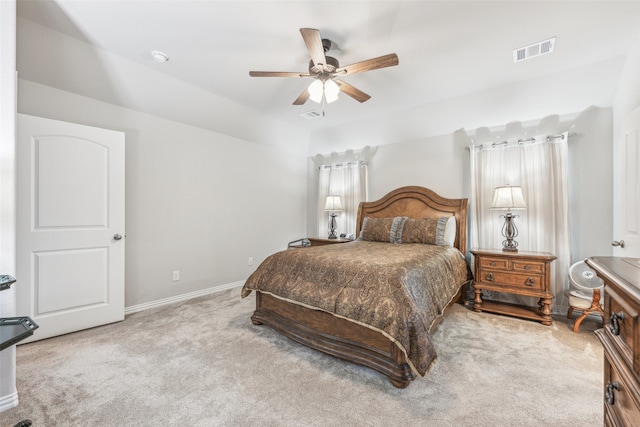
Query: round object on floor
point(584, 278)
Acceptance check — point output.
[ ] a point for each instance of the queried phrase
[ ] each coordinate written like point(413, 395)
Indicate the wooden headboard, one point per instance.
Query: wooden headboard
point(418, 202)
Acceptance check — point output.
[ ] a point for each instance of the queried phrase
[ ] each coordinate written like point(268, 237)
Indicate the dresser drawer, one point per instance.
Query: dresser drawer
point(620, 395)
point(491, 278)
point(494, 264)
point(620, 337)
point(622, 317)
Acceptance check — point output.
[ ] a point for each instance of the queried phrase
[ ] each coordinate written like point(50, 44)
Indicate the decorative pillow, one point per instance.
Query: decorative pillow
point(378, 229)
point(430, 231)
point(450, 231)
point(396, 228)
point(401, 229)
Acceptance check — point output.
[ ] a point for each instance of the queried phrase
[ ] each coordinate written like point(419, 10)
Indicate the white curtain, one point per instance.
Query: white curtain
point(349, 181)
point(540, 166)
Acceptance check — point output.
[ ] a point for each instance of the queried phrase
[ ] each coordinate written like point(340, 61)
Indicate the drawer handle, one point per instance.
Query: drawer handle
point(614, 322)
point(490, 277)
point(609, 394)
point(527, 267)
point(492, 263)
point(530, 281)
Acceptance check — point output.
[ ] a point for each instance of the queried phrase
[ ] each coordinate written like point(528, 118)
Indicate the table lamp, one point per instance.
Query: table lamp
point(333, 205)
point(509, 197)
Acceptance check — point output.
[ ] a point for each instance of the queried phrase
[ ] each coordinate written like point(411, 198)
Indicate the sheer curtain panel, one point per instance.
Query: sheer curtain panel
point(349, 181)
point(540, 166)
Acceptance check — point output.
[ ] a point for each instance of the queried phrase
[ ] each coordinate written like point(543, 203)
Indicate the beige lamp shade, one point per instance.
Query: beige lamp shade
point(333, 203)
point(508, 197)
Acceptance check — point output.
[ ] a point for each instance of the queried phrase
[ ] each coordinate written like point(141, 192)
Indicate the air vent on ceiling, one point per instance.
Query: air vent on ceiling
point(536, 49)
point(311, 115)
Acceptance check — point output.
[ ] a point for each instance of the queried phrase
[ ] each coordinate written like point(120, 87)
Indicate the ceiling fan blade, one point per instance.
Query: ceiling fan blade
point(370, 64)
point(302, 98)
point(277, 74)
point(353, 92)
point(314, 44)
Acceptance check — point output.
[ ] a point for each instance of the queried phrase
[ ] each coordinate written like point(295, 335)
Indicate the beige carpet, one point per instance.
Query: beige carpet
point(203, 363)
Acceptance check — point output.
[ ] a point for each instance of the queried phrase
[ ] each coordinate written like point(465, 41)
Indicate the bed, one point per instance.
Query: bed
point(367, 301)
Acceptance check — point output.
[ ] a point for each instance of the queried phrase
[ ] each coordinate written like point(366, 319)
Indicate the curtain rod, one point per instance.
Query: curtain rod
point(520, 141)
point(339, 165)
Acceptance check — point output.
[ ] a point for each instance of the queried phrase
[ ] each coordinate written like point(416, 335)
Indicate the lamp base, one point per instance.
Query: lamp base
point(509, 231)
point(333, 225)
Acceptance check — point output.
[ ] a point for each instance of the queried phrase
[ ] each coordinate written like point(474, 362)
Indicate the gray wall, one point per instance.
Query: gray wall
point(439, 163)
point(196, 201)
point(590, 182)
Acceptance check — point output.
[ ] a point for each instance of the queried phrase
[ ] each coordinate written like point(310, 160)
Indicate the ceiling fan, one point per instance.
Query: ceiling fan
point(325, 71)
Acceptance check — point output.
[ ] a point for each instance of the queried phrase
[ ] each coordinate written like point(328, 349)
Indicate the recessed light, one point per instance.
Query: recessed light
point(159, 56)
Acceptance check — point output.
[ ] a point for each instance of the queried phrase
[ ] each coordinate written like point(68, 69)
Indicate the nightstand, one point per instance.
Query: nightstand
point(318, 241)
point(517, 273)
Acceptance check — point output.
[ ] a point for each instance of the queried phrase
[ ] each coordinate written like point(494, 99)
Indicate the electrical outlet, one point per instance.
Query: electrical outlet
point(176, 275)
point(250, 262)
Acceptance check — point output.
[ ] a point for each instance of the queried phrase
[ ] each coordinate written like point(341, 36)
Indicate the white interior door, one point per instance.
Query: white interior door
point(70, 225)
point(626, 210)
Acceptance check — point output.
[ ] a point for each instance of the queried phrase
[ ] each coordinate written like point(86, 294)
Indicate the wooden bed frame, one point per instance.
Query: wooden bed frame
point(347, 340)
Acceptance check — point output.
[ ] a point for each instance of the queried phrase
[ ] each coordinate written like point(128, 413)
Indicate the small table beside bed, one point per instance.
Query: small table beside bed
point(373, 301)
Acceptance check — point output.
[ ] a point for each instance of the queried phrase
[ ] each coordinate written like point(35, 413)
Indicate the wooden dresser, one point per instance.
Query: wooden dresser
point(620, 338)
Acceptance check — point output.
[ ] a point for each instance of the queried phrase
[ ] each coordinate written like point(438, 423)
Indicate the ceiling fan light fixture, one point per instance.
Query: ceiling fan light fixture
point(323, 69)
point(315, 91)
point(331, 91)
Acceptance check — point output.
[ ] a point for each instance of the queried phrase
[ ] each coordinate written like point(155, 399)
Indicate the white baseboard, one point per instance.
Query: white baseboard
point(9, 401)
point(182, 297)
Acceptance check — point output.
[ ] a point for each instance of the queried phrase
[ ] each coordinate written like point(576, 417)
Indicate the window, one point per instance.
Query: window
point(349, 181)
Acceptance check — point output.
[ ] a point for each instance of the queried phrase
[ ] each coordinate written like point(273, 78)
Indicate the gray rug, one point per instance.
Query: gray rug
point(203, 363)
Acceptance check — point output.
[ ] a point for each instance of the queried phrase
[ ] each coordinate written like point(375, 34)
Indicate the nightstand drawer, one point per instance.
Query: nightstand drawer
point(528, 266)
point(494, 264)
point(507, 279)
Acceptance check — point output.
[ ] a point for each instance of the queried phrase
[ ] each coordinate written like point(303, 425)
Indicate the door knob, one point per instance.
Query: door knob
point(117, 237)
point(618, 243)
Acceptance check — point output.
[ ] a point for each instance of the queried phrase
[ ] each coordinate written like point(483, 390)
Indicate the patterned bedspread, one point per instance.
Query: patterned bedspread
point(397, 289)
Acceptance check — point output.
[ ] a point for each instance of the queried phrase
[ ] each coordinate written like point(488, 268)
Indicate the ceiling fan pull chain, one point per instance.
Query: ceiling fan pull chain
point(323, 101)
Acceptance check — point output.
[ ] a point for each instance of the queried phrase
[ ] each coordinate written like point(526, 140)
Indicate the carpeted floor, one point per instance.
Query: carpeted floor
point(203, 363)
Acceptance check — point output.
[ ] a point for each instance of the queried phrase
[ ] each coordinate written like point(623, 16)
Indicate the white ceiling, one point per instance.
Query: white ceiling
point(446, 49)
